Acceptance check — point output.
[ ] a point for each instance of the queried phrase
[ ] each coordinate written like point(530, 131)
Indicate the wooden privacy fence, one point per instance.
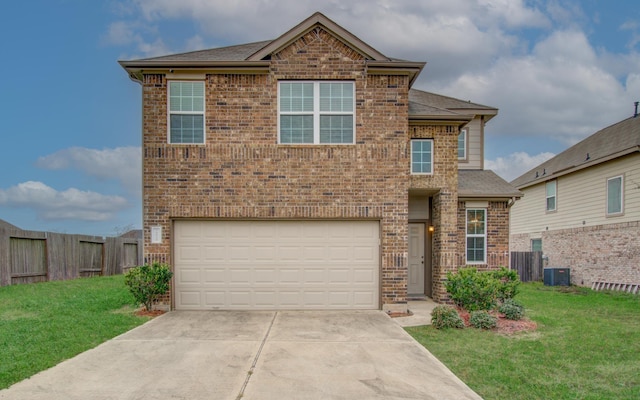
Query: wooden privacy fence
point(31, 256)
point(529, 265)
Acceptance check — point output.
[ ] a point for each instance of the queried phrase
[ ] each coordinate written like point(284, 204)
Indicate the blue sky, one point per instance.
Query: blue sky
point(558, 70)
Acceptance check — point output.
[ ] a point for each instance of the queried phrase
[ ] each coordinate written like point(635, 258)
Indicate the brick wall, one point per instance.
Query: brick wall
point(497, 236)
point(241, 172)
point(608, 253)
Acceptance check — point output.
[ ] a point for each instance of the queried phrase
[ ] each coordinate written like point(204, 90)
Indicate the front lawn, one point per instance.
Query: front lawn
point(43, 324)
point(587, 346)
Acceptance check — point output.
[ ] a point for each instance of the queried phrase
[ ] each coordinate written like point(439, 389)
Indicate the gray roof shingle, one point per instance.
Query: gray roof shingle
point(484, 184)
point(614, 141)
point(230, 53)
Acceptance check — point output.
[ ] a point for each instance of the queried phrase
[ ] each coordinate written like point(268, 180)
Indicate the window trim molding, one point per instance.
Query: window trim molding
point(467, 236)
point(411, 157)
point(606, 205)
point(464, 131)
point(317, 113)
point(547, 197)
point(203, 112)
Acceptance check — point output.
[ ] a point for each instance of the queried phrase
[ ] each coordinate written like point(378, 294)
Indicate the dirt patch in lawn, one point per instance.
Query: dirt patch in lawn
point(504, 326)
point(142, 312)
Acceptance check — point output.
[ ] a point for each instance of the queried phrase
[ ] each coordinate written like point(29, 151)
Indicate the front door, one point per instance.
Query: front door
point(416, 260)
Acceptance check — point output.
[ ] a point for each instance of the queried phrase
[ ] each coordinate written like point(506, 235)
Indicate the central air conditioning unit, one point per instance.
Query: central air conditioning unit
point(557, 277)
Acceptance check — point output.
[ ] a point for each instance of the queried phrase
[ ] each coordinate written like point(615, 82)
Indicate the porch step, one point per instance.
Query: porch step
point(633, 288)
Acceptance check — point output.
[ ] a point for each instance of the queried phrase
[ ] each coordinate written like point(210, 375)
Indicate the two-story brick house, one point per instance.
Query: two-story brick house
point(305, 173)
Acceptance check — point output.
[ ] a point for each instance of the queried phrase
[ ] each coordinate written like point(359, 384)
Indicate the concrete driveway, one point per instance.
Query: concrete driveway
point(252, 355)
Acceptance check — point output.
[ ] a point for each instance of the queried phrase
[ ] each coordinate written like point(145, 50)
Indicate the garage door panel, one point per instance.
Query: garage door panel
point(276, 264)
point(215, 276)
point(189, 275)
point(214, 253)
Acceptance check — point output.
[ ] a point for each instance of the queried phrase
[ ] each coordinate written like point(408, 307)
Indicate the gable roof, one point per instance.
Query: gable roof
point(484, 184)
point(615, 141)
point(255, 56)
point(450, 104)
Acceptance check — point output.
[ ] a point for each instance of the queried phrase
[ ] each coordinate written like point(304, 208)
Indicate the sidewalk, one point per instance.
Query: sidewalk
point(421, 310)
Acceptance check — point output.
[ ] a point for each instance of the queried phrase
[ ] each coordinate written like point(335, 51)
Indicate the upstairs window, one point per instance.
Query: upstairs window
point(186, 112)
point(462, 144)
point(476, 236)
point(422, 156)
point(551, 189)
point(316, 113)
point(615, 202)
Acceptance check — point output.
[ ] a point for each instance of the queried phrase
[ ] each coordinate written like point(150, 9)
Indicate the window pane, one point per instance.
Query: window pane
point(475, 222)
point(551, 189)
point(336, 97)
point(186, 96)
point(421, 152)
point(336, 129)
point(462, 144)
point(296, 97)
point(475, 249)
point(186, 128)
point(296, 129)
point(536, 244)
point(551, 203)
point(614, 195)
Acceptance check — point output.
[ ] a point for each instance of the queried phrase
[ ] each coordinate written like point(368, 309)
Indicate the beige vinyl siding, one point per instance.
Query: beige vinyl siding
point(474, 146)
point(581, 199)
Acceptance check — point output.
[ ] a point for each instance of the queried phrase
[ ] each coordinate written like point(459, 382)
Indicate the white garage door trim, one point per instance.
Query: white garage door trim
point(275, 264)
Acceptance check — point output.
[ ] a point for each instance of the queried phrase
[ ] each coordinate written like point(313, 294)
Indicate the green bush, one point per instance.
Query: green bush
point(443, 317)
point(472, 290)
point(483, 320)
point(512, 309)
point(508, 282)
point(148, 282)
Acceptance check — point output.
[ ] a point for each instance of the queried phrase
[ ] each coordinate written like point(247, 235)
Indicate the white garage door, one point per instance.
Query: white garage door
point(276, 265)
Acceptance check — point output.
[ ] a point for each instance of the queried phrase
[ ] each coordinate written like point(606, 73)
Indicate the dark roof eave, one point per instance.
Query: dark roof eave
point(575, 168)
point(489, 196)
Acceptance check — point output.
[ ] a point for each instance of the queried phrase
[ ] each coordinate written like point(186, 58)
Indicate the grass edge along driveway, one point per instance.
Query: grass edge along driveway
point(586, 347)
point(42, 324)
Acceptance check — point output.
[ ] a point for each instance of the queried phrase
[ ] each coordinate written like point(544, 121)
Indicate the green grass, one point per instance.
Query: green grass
point(43, 324)
point(587, 346)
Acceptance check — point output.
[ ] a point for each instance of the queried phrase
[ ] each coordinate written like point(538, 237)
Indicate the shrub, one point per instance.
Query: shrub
point(148, 282)
point(443, 317)
point(472, 290)
point(512, 309)
point(508, 282)
point(483, 320)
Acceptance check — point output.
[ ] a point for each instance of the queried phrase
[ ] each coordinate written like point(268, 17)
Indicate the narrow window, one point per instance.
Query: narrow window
point(421, 156)
point(536, 244)
point(186, 112)
point(462, 144)
point(615, 201)
point(476, 235)
point(551, 195)
point(316, 112)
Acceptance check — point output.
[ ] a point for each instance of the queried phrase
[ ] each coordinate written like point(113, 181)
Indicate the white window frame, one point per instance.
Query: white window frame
point(610, 214)
point(465, 135)
point(413, 141)
point(547, 197)
point(536, 240)
point(203, 112)
point(317, 113)
point(475, 235)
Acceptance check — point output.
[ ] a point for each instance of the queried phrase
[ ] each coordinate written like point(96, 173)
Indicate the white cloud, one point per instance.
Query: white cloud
point(561, 90)
point(516, 164)
point(50, 204)
point(121, 163)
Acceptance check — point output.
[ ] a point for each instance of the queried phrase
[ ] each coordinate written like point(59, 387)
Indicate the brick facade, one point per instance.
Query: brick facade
point(609, 253)
point(242, 173)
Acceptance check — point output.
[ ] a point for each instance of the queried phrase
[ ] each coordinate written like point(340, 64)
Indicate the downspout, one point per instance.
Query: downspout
point(509, 205)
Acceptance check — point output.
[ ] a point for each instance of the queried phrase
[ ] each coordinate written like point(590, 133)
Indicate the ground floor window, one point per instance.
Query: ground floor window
point(536, 244)
point(476, 235)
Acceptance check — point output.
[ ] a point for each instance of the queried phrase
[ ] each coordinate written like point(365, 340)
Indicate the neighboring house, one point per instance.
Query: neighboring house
point(304, 172)
point(5, 225)
point(582, 207)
